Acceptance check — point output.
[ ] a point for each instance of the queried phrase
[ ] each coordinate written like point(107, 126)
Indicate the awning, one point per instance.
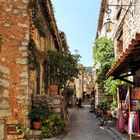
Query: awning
point(129, 60)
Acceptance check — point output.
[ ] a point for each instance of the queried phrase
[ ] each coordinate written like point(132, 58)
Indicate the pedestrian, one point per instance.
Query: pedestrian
point(74, 101)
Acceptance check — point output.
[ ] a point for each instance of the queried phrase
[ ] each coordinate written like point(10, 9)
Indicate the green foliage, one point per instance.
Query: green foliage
point(36, 6)
point(111, 88)
point(53, 126)
point(104, 105)
point(33, 55)
point(21, 129)
point(112, 85)
point(38, 114)
point(104, 57)
point(114, 103)
point(103, 54)
point(63, 66)
point(46, 131)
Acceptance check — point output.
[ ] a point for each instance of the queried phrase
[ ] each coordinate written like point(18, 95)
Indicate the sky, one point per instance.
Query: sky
point(78, 19)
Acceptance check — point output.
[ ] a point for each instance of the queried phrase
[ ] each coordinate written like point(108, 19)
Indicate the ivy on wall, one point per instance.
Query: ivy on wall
point(103, 54)
point(45, 76)
point(35, 6)
point(41, 5)
point(104, 57)
point(33, 62)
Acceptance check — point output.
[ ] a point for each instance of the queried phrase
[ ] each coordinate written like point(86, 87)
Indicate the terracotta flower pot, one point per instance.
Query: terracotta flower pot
point(53, 89)
point(37, 125)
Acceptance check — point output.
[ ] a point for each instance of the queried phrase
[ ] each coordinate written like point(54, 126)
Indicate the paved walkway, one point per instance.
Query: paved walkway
point(84, 126)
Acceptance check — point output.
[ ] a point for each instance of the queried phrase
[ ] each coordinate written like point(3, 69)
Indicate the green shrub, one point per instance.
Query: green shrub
point(38, 114)
point(53, 125)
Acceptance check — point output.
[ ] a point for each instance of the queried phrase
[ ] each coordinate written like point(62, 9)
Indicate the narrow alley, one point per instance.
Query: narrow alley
point(84, 126)
point(69, 70)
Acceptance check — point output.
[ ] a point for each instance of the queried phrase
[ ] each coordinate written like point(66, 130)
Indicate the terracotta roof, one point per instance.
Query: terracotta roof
point(129, 60)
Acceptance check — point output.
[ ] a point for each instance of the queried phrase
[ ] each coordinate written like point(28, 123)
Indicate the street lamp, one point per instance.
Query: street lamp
point(109, 24)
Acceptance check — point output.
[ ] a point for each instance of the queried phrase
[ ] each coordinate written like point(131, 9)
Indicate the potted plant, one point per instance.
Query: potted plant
point(37, 115)
point(21, 130)
point(62, 67)
point(54, 89)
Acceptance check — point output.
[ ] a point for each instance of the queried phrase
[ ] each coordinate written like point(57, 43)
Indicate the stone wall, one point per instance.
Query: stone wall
point(4, 99)
point(14, 29)
point(54, 103)
point(128, 22)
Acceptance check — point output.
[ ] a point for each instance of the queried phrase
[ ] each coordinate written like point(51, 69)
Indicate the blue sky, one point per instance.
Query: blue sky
point(78, 19)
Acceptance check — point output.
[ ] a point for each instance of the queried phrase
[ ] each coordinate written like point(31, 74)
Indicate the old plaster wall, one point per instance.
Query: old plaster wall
point(14, 28)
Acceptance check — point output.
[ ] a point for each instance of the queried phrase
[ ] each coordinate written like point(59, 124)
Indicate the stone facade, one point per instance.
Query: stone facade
point(127, 22)
point(14, 30)
point(4, 99)
point(17, 82)
point(78, 82)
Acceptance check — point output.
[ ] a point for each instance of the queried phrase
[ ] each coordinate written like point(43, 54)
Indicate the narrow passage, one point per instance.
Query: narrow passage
point(84, 126)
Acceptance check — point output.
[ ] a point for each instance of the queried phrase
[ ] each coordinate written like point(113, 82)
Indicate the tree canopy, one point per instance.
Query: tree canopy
point(103, 54)
point(104, 57)
point(63, 66)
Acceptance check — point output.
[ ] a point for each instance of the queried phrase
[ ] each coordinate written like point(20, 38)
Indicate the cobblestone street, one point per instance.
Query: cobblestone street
point(84, 126)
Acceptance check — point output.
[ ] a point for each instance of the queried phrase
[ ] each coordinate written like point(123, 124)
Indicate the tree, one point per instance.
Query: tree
point(63, 67)
point(103, 54)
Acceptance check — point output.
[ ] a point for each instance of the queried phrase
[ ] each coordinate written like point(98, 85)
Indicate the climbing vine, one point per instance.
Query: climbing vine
point(41, 5)
point(45, 76)
point(103, 54)
point(104, 57)
point(35, 6)
point(33, 54)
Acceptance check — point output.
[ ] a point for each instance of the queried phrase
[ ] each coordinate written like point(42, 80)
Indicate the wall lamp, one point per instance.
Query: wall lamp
point(109, 24)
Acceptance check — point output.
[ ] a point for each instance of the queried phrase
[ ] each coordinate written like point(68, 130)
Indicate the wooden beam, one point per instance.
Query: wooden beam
point(125, 80)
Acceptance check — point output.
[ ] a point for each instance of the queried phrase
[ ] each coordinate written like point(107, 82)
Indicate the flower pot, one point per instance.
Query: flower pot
point(37, 125)
point(53, 89)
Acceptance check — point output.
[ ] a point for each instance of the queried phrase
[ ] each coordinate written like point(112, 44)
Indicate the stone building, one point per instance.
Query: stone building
point(101, 32)
point(28, 30)
point(88, 80)
point(78, 82)
point(125, 33)
point(125, 30)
